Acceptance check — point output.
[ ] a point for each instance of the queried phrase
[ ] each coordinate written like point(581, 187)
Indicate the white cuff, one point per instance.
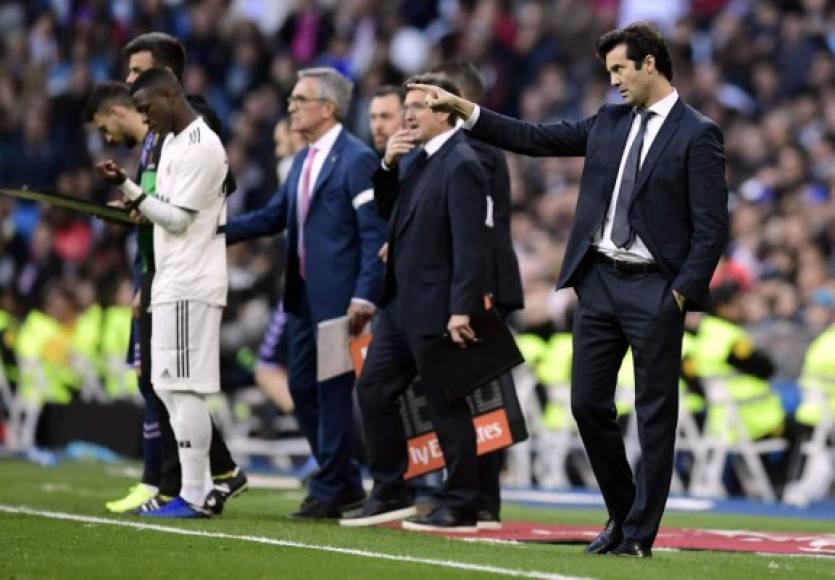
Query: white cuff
point(384, 166)
point(131, 189)
point(364, 301)
point(470, 123)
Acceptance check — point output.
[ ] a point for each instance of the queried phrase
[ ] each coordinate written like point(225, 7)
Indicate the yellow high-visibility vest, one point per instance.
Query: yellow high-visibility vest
point(760, 408)
point(43, 350)
point(818, 373)
point(119, 378)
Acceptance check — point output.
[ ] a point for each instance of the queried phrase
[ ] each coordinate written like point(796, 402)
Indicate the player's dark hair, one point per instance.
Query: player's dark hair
point(641, 39)
point(105, 95)
point(155, 78)
point(166, 51)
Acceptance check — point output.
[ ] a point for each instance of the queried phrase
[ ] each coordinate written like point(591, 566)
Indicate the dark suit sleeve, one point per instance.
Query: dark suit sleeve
point(467, 208)
point(267, 221)
point(708, 199)
point(507, 283)
point(385, 191)
point(372, 229)
point(563, 139)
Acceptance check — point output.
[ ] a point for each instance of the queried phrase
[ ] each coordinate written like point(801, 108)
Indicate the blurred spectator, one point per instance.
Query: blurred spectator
point(763, 70)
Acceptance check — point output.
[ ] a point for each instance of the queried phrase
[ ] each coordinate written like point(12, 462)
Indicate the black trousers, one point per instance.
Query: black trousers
point(490, 464)
point(390, 366)
point(489, 471)
point(489, 492)
point(170, 475)
point(617, 311)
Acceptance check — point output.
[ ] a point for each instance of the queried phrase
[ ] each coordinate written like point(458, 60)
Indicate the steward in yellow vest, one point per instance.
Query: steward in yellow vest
point(818, 375)
point(723, 351)
point(43, 349)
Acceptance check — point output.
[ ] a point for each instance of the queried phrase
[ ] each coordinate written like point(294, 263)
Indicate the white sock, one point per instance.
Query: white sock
point(192, 426)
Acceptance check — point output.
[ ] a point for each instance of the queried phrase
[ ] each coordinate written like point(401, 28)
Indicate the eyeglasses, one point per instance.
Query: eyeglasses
point(301, 99)
point(415, 107)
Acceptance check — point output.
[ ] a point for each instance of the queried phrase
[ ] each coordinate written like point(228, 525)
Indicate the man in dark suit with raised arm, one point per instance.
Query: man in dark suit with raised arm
point(650, 225)
point(434, 283)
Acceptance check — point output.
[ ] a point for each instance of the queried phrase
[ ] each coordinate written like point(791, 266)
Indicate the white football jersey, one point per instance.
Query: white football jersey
point(192, 265)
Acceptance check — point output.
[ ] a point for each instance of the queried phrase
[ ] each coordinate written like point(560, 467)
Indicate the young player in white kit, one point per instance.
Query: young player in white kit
point(190, 286)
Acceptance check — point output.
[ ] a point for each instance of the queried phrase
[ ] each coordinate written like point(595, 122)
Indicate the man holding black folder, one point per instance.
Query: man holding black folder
point(434, 283)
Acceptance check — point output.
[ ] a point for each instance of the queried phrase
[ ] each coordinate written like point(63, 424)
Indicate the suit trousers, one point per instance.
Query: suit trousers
point(324, 410)
point(490, 464)
point(617, 311)
point(391, 364)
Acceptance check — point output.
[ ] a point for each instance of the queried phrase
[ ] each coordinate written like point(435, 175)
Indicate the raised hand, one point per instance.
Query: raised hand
point(442, 101)
point(398, 145)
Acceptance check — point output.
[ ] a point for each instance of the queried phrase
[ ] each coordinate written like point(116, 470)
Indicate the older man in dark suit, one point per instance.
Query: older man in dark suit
point(435, 280)
point(334, 235)
point(650, 225)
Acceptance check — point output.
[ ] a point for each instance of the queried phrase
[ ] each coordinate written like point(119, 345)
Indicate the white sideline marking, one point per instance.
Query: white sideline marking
point(289, 544)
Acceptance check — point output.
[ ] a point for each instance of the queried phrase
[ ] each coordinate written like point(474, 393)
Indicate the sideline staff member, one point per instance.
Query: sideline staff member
point(434, 282)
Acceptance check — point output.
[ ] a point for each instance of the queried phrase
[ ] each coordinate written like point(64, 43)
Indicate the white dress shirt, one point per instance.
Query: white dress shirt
point(638, 252)
point(323, 146)
point(431, 147)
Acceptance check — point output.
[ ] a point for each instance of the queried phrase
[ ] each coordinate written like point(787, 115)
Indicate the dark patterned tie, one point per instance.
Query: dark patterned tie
point(413, 173)
point(622, 234)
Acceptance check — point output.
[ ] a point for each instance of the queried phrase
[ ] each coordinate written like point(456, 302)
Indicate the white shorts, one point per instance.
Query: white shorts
point(185, 346)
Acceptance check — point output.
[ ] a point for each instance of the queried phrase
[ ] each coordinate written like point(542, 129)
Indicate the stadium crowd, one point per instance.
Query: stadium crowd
point(763, 70)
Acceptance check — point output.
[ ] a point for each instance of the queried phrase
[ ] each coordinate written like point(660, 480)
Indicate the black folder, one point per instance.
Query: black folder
point(460, 371)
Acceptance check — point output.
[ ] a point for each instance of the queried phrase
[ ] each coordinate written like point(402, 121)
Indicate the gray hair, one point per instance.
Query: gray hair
point(333, 87)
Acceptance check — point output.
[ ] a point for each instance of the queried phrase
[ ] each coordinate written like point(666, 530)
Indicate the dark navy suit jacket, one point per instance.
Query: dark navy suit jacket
point(342, 231)
point(680, 204)
point(438, 241)
point(505, 281)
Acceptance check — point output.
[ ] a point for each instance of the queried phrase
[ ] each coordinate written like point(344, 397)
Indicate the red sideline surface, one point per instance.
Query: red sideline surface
point(680, 539)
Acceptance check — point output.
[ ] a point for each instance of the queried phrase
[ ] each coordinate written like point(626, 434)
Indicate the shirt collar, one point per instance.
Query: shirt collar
point(325, 143)
point(431, 147)
point(663, 107)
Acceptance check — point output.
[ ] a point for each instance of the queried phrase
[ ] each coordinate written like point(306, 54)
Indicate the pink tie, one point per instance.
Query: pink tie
point(304, 204)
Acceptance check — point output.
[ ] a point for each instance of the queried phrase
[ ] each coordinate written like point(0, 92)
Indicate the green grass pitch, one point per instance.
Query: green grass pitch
point(256, 538)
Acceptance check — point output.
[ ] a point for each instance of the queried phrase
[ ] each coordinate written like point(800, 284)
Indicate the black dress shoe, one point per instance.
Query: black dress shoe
point(444, 519)
point(632, 549)
point(488, 520)
point(375, 512)
point(351, 499)
point(609, 539)
point(316, 509)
